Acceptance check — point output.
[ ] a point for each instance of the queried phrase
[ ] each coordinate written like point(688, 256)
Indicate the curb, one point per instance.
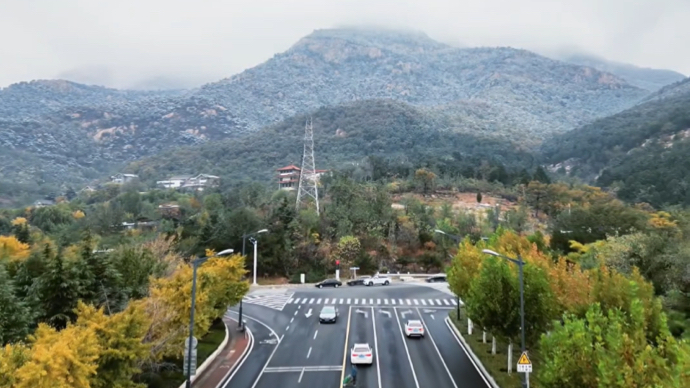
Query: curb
point(210, 358)
point(488, 379)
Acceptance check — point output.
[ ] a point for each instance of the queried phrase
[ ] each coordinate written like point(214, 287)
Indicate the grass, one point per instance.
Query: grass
point(496, 365)
point(173, 377)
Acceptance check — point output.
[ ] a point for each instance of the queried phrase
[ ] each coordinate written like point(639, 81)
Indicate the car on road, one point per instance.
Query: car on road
point(441, 278)
point(328, 314)
point(329, 283)
point(414, 328)
point(358, 282)
point(378, 279)
point(361, 354)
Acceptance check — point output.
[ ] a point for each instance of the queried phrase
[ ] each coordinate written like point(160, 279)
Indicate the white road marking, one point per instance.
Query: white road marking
point(431, 337)
point(416, 303)
point(300, 376)
point(407, 351)
point(431, 302)
point(453, 302)
point(341, 301)
point(401, 301)
point(315, 333)
point(371, 301)
point(439, 302)
point(423, 302)
point(446, 302)
point(376, 346)
point(408, 302)
point(311, 301)
point(309, 352)
point(455, 335)
point(378, 301)
point(385, 301)
point(318, 301)
point(291, 300)
point(263, 370)
point(356, 300)
point(292, 319)
point(348, 300)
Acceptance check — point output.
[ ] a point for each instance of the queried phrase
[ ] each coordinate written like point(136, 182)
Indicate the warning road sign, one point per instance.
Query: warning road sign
point(524, 364)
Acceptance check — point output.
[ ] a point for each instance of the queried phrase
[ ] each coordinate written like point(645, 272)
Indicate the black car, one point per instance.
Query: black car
point(329, 283)
point(328, 314)
point(357, 282)
point(436, 279)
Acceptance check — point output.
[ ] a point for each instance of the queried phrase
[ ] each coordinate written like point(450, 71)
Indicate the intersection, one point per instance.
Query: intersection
point(292, 349)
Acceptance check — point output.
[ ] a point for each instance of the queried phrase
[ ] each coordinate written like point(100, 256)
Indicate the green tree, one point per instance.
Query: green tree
point(493, 300)
point(348, 250)
point(15, 315)
point(540, 175)
point(607, 351)
point(479, 197)
point(58, 292)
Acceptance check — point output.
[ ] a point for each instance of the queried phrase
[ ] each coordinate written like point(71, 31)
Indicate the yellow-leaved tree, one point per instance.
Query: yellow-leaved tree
point(64, 359)
point(12, 356)
point(465, 266)
point(13, 250)
point(120, 337)
point(219, 286)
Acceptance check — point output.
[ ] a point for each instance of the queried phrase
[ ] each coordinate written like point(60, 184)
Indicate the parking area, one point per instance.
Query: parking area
point(315, 354)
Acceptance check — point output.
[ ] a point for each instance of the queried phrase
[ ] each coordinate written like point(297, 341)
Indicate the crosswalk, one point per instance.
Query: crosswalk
point(280, 301)
point(439, 302)
point(275, 301)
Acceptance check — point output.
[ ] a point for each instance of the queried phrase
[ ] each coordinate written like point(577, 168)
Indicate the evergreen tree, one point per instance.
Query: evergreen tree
point(541, 176)
point(15, 315)
point(58, 292)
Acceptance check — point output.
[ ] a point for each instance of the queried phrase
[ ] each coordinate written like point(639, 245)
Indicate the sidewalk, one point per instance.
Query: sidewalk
point(226, 360)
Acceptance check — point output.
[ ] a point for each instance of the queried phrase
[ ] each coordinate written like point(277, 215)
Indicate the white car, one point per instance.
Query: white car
point(378, 279)
point(361, 354)
point(414, 328)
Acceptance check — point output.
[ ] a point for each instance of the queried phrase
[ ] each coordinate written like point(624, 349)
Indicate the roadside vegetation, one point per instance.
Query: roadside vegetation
point(95, 290)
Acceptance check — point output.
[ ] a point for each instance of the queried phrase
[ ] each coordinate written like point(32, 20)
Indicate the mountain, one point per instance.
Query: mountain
point(644, 78)
point(641, 152)
point(396, 132)
point(64, 133)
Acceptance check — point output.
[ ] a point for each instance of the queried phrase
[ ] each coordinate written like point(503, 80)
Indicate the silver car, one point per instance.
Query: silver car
point(328, 314)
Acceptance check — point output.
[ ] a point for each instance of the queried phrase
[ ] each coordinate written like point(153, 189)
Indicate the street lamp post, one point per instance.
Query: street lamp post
point(253, 241)
point(244, 240)
point(195, 264)
point(457, 240)
point(520, 263)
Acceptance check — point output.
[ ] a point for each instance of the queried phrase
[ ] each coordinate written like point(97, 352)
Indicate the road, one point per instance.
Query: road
point(310, 354)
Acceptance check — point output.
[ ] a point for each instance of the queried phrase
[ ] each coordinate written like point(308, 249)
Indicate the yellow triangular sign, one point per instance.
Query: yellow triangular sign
point(524, 360)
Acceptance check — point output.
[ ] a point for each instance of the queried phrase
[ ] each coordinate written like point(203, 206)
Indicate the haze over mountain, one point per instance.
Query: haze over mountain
point(60, 133)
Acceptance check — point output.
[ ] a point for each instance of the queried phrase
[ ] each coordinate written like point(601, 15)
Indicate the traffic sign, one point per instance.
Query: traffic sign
point(195, 342)
point(524, 365)
point(193, 364)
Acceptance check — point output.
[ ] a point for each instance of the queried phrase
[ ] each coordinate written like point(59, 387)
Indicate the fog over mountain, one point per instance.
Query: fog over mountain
point(177, 44)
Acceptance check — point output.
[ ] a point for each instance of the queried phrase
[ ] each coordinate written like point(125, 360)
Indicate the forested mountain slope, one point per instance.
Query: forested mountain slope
point(399, 133)
point(59, 133)
point(642, 152)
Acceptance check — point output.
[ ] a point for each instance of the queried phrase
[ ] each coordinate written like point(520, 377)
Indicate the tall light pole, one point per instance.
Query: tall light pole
point(195, 264)
point(253, 241)
point(520, 263)
point(457, 240)
point(244, 239)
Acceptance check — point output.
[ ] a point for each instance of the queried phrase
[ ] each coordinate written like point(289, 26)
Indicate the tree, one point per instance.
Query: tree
point(426, 179)
point(119, 337)
point(58, 291)
point(541, 176)
point(610, 351)
point(479, 197)
point(12, 249)
point(20, 229)
point(64, 359)
point(15, 315)
point(465, 266)
point(11, 358)
point(348, 250)
point(493, 300)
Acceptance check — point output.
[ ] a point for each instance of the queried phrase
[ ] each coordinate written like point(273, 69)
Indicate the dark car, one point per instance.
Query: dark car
point(328, 314)
point(358, 282)
point(436, 279)
point(329, 283)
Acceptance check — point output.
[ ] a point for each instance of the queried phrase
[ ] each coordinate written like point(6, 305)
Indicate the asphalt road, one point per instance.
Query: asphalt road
point(311, 354)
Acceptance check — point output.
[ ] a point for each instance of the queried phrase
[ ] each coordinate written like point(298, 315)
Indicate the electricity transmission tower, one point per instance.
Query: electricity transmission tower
point(307, 177)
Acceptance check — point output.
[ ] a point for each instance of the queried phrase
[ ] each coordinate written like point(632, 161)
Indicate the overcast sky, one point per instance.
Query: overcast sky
point(135, 43)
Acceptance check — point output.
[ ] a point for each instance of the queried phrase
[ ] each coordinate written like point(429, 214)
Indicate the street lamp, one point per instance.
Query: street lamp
point(244, 239)
point(195, 264)
point(253, 241)
point(520, 263)
point(457, 239)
